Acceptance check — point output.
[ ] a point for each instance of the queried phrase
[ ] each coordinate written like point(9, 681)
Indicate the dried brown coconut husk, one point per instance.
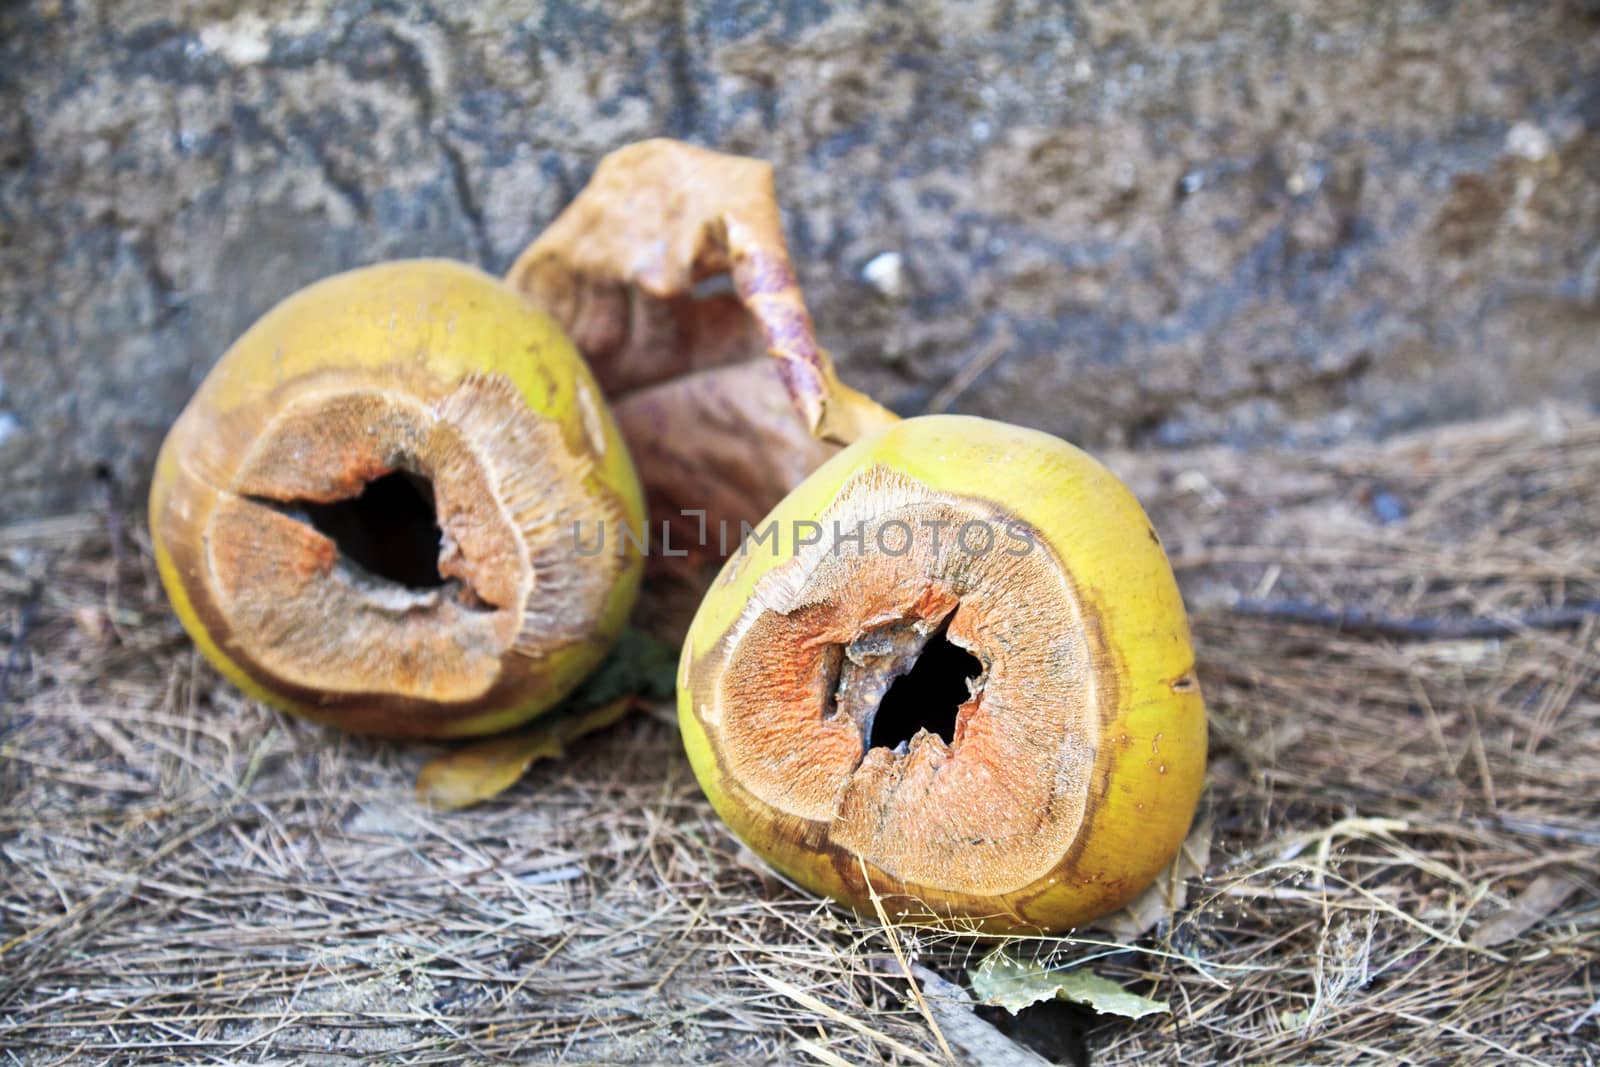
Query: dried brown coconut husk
point(670, 273)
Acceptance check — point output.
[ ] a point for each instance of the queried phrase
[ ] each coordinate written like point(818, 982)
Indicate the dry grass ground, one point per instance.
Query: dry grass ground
point(1405, 814)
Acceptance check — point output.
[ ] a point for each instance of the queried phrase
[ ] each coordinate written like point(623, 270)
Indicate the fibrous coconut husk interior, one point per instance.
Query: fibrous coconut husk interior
point(1400, 651)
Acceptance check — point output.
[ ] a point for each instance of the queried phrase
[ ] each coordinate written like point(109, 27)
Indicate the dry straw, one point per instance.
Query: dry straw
point(1405, 802)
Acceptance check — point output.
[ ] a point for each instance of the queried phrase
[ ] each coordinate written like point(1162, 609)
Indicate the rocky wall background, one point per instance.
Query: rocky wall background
point(1161, 224)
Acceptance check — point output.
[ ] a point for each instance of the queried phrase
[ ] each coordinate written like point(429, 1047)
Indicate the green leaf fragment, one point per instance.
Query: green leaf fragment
point(1013, 984)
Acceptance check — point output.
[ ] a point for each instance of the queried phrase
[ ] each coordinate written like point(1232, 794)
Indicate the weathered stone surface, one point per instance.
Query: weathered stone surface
point(1156, 223)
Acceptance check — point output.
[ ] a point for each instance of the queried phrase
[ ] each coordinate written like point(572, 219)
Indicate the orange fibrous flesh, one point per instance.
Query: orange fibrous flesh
point(506, 491)
point(800, 676)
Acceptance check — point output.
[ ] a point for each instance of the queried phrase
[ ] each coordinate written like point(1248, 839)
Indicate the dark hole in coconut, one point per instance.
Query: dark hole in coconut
point(390, 530)
point(927, 696)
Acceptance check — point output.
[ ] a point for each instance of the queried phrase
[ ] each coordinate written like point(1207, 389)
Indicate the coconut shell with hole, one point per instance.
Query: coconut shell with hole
point(951, 668)
point(366, 515)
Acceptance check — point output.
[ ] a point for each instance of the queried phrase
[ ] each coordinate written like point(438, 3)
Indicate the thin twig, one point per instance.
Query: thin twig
point(1416, 628)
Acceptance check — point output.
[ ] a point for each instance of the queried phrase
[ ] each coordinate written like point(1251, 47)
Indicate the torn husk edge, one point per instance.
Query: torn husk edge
point(633, 269)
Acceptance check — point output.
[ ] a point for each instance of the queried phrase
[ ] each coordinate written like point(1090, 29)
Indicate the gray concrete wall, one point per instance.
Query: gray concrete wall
point(1129, 222)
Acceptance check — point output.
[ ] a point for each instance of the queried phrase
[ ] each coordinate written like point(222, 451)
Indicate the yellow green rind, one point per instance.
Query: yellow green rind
point(452, 320)
point(1146, 798)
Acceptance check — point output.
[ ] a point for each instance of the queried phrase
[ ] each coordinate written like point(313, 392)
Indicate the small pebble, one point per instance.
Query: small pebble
point(1528, 141)
point(886, 273)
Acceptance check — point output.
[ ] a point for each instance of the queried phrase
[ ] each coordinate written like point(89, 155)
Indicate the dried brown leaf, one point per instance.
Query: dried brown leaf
point(1168, 893)
point(640, 669)
point(1543, 895)
point(485, 769)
